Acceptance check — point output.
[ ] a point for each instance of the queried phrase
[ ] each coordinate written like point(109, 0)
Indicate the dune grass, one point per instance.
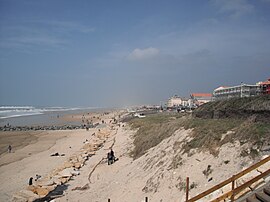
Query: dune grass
point(207, 133)
point(152, 129)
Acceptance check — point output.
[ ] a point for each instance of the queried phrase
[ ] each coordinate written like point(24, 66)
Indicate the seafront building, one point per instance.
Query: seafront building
point(174, 101)
point(264, 87)
point(220, 93)
point(196, 99)
point(201, 98)
point(242, 90)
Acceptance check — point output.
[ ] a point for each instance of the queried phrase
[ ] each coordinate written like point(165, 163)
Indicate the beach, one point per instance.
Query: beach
point(31, 152)
point(72, 164)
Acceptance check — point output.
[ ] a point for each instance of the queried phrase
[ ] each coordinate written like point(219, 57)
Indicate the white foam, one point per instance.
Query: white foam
point(18, 115)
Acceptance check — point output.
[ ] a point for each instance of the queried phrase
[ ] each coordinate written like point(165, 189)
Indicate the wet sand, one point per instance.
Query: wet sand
point(25, 144)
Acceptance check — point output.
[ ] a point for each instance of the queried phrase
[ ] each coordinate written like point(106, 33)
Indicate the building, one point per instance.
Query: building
point(174, 101)
point(201, 98)
point(185, 102)
point(242, 90)
point(264, 87)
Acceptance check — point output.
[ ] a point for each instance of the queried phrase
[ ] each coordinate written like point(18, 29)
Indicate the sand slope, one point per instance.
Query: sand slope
point(151, 175)
point(159, 174)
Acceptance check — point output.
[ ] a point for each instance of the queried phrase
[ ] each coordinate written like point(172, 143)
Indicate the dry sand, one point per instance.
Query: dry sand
point(151, 175)
point(35, 159)
point(31, 154)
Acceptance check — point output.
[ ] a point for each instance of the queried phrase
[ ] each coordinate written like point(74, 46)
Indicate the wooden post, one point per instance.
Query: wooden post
point(233, 184)
point(146, 199)
point(187, 188)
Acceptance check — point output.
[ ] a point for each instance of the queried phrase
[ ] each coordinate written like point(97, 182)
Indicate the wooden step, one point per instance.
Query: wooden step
point(263, 197)
point(267, 190)
point(252, 199)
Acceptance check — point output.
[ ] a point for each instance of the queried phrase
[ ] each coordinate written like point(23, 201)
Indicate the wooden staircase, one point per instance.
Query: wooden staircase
point(262, 196)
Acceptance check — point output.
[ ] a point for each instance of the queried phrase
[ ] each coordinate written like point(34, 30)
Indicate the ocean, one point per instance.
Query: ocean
point(41, 116)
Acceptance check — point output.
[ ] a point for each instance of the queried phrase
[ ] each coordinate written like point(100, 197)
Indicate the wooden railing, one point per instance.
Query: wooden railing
point(232, 180)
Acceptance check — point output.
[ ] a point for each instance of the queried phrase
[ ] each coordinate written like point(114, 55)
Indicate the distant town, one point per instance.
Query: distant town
point(220, 93)
point(183, 104)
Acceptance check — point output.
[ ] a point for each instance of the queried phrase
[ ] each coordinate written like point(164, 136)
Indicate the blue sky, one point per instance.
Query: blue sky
point(120, 53)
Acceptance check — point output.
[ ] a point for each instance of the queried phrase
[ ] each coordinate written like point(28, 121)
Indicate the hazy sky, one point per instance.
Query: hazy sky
point(108, 53)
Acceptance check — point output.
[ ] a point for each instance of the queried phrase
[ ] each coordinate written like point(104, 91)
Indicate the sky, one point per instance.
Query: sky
point(123, 52)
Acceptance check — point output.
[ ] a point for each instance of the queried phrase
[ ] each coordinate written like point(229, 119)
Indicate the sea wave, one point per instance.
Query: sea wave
point(18, 115)
point(17, 111)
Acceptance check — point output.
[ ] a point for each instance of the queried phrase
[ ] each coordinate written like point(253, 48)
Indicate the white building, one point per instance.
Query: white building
point(174, 101)
point(243, 90)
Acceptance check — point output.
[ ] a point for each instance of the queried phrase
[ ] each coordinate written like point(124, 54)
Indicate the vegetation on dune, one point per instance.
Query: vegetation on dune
point(152, 130)
point(257, 103)
point(240, 108)
point(207, 134)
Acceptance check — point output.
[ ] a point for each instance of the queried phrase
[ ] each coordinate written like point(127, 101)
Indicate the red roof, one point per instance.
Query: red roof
point(265, 83)
point(201, 94)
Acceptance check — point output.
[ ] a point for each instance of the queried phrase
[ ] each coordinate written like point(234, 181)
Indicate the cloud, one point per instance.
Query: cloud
point(142, 54)
point(45, 35)
point(68, 26)
point(235, 8)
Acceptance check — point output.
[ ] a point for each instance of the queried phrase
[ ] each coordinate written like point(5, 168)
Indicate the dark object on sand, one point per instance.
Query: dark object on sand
point(55, 154)
point(37, 177)
point(9, 148)
point(30, 181)
point(85, 187)
point(111, 158)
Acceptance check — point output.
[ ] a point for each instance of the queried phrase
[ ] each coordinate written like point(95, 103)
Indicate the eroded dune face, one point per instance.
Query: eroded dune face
point(159, 174)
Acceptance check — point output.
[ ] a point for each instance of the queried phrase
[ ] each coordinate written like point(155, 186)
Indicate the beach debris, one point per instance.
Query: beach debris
point(41, 191)
point(25, 195)
point(45, 182)
point(85, 187)
point(37, 177)
point(55, 154)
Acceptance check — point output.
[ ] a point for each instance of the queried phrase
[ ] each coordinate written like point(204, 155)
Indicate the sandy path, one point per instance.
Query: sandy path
point(15, 175)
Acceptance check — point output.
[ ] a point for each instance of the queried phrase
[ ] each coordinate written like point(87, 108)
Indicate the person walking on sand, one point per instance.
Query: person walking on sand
point(9, 148)
point(112, 154)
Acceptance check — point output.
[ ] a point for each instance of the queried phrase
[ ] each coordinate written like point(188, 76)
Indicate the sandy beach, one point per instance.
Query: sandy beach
point(90, 178)
point(31, 154)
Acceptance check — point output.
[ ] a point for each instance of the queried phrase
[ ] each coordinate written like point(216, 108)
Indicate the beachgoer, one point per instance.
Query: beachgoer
point(112, 154)
point(9, 148)
point(109, 158)
point(30, 181)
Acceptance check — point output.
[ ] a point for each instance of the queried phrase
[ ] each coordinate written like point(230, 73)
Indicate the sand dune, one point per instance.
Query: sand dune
point(159, 174)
